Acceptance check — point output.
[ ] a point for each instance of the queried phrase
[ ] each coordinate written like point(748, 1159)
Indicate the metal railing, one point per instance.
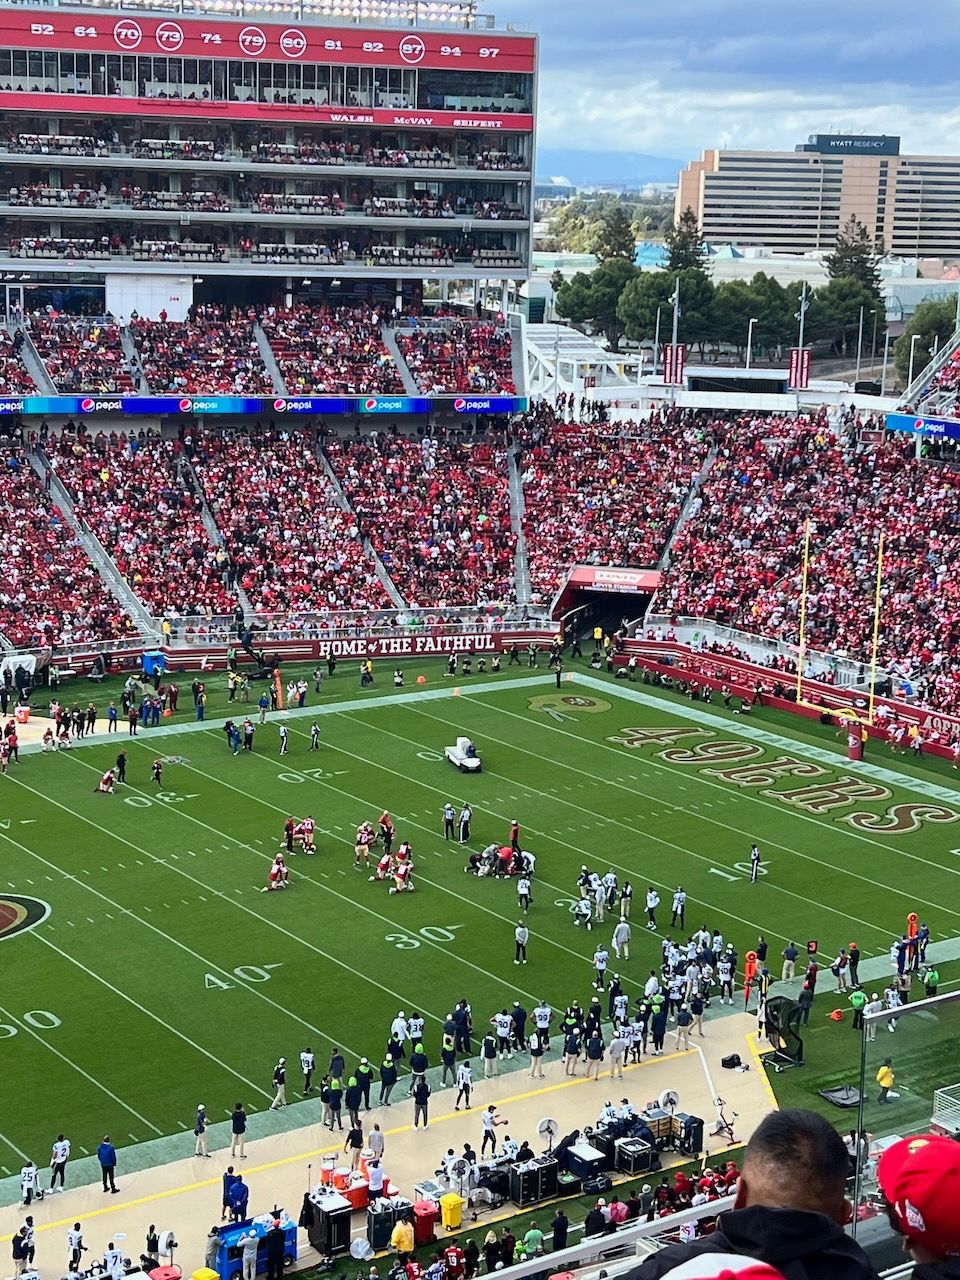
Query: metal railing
point(845, 670)
point(355, 625)
point(625, 1245)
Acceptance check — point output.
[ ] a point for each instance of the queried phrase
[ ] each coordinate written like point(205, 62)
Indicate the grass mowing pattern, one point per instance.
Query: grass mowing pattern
point(163, 977)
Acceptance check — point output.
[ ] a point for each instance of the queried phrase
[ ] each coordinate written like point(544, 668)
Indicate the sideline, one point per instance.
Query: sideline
point(935, 790)
point(267, 1166)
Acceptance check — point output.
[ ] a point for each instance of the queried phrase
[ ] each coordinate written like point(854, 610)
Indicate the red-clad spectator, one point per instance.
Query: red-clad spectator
point(604, 495)
point(81, 354)
point(14, 379)
point(50, 593)
point(215, 351)
point(458, 357)
point(438, 514)
point(137, 500)
point(293, 547)
point(337, 351)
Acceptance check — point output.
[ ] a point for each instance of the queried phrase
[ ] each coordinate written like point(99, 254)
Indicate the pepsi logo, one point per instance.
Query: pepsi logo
point(185, 406)
point(87, 405)
point(169, 36)
point(370, 404)
point(459, 405)
point(252, 41)
point(128, 34)
point(280, 406)
point(412, 49)
point(918, 424)
point(293, 43)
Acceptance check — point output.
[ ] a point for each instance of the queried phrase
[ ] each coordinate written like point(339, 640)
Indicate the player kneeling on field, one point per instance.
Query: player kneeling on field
point(403, 877)
point(483, 864)
point(383, 867)
point(49, 741)
point(278, 877)
point(105, 785)
point(581, 912)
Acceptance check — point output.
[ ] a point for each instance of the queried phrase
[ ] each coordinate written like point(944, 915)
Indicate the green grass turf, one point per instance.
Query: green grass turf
point(173, 980)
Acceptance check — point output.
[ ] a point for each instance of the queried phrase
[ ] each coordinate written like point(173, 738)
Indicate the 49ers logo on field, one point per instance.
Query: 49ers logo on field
point(18, 914)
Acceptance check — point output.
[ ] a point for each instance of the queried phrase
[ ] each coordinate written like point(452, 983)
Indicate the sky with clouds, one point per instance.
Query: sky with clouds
point(673, 78)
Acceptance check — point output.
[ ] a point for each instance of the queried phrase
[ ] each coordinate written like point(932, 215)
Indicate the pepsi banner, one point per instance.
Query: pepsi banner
point(936, 428)
point(242, 406)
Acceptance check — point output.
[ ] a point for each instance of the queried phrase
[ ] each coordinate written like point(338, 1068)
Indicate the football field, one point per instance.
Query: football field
point(162, 976)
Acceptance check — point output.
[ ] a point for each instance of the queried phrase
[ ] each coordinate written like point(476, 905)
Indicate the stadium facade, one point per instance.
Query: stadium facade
point(161, 155)
point(796, 201)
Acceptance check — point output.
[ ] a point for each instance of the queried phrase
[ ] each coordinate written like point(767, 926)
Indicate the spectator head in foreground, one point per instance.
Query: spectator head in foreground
point(725, 1266)
point(790, 1209)
point(920, 1180)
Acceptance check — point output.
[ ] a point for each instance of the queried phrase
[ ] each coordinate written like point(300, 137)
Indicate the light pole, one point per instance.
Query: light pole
point(886, 357)
point(913, 346)
point(859, 345)
point(801, 315)
point(753, 321)
point(873, 345)
point(656, 343)
point(675, 299)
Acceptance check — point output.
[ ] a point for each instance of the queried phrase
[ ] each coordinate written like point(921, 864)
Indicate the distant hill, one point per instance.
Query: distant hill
point(591, 168)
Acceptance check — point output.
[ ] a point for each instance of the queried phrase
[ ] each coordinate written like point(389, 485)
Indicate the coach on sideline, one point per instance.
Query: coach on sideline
point(790, 1210)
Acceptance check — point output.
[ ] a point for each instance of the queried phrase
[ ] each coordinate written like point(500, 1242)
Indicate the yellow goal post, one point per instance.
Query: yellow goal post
point(846, 714)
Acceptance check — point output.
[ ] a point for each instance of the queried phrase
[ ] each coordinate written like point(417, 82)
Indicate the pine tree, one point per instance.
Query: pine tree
point(855, 257)
point(615, 238)
point(684, 243)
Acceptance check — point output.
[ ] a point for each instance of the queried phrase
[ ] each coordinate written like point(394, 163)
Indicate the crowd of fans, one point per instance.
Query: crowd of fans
point(82, 355)
point(322, 150)
point(137, 498)
point(72, 196)
point(437, 512)
point(213, 352)
point(50, 593)
point(339, 350)
point(947, 378)
point(292, 546)
point(14, 379)
point(739, 559)
point(459, 357)
point(602, 496)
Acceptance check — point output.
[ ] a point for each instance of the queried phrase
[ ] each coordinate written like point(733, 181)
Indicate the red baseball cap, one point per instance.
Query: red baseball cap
point(725, 1266)
point(920, 1178)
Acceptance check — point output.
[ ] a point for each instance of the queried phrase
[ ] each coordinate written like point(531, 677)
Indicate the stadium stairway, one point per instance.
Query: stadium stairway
point(921, 392)
point(698, 480)
point(91, 544)
point(269, 360)
point(30, 358)
point(521, 571)
point(390, 342)
point(213, 530)
point(344, 504)
point(133, 361)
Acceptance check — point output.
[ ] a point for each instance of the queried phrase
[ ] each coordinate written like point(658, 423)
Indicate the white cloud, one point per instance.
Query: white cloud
point(669, 79)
